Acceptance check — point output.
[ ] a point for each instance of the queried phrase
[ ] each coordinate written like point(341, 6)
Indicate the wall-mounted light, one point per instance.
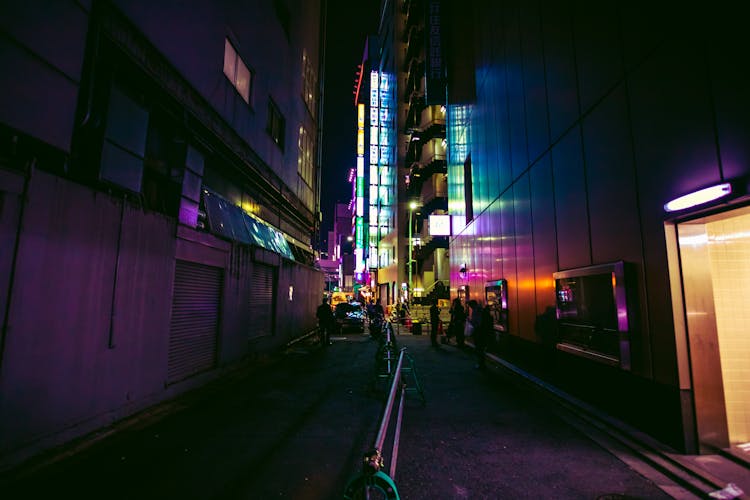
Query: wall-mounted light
point(463, 271)
point(699, 197)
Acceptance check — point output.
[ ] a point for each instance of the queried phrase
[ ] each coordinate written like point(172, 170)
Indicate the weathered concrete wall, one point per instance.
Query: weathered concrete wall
point(82, 344)
point(89, 317)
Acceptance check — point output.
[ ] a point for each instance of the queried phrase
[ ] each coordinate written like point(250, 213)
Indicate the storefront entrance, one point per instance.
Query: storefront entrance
point(712, 265)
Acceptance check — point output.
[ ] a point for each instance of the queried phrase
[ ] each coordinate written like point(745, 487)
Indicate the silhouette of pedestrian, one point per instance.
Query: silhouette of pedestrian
point(458, 321)
point(434, 323)
point(326, 322)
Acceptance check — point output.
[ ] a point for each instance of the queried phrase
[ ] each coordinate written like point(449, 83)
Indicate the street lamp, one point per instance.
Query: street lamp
point(412, 206)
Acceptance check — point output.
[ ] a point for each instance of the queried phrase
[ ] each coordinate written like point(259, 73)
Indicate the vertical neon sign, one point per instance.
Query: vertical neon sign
point(372, 231)
point(359, 192)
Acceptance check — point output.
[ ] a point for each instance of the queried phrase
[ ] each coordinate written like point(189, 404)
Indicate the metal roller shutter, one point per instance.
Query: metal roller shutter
point(262, 304)
point(195, 320)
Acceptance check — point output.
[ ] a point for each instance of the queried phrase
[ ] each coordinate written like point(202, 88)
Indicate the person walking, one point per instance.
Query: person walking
point(326, 322)
point(458, 320)
point(434, 323)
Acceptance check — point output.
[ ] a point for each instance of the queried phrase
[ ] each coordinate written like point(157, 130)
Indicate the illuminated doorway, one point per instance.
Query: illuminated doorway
point(713, 269)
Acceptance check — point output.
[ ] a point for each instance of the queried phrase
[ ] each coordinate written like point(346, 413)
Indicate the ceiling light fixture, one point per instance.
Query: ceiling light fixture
point(699, 197)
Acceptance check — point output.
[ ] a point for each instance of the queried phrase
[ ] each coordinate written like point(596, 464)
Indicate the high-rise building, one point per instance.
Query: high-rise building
point(159, 188)
point(374, 180)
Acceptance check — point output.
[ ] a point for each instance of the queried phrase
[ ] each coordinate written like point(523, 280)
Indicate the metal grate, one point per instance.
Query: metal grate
point(195, 320)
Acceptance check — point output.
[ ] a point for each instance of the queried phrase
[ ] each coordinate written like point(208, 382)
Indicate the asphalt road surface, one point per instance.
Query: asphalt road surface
point(298, 426)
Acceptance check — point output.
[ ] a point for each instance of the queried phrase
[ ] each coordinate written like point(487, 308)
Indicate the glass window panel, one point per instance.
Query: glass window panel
point(243, 80)
point(194, 160)
point(191, 185)
point(230, 60)
point(127, 122)
point(121, 167)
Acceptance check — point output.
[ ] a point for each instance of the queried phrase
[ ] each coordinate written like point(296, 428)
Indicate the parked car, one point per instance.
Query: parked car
point(350, 316)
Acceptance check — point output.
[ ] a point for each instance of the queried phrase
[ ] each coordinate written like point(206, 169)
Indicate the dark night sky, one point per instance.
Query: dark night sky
point(348, 24)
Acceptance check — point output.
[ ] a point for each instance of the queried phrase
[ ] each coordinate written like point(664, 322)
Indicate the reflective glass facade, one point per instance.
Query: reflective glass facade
point(585, 122)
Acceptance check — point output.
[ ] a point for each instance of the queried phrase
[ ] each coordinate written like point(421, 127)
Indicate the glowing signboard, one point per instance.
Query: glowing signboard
point(440, 225)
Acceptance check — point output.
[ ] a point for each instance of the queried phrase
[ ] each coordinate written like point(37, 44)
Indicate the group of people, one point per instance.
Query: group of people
point(474, 320)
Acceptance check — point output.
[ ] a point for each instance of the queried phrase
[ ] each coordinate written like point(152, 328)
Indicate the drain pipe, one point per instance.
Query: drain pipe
point(23, 199)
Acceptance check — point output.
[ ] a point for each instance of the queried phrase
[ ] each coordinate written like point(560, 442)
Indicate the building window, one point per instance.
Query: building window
point(309, 83)
point(236, 71)
point(124, 145)
point(275, 125)
point(468, 192)
point(305, 159)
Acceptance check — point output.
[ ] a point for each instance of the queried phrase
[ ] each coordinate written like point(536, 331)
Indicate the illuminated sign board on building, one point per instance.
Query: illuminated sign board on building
point(440, 225)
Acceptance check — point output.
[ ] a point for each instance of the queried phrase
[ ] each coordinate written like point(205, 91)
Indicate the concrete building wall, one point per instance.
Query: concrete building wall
point(88, 270)
point(88, 319)
point(88, 327)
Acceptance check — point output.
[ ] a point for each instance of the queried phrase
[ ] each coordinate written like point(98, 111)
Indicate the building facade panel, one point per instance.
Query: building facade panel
point(732, 103)
point(525, 282)
point(515, 92)
point(661, 116)
point(559, 65)
point(610, 175)
point(597, 50)
point(535, 92)
point(47, 97)
point(506, 211)
point(20, 21)
point(571, 204)
point(544, 232)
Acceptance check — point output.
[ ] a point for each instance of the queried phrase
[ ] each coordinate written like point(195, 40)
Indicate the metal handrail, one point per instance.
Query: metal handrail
point(372, 475)
point(395, 386)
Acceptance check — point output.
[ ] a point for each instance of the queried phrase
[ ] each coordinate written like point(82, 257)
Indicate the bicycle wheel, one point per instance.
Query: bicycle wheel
point(378, 486)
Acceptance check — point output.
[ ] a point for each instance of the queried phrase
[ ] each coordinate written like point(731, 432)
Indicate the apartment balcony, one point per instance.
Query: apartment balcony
point(432, 123)
point(433, 150)
point(435, 186)
point(429, 245)
point(433, 195)
point(426, 159)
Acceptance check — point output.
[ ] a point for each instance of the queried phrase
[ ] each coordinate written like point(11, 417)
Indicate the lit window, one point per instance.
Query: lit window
point(237, 71)
point(305, 158)
point(275, 124)
point(309, 83)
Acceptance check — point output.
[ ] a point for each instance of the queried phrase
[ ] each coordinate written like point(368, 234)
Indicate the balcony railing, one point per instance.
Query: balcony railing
point(434, 187)
point(432, 116)
point(432, 150)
